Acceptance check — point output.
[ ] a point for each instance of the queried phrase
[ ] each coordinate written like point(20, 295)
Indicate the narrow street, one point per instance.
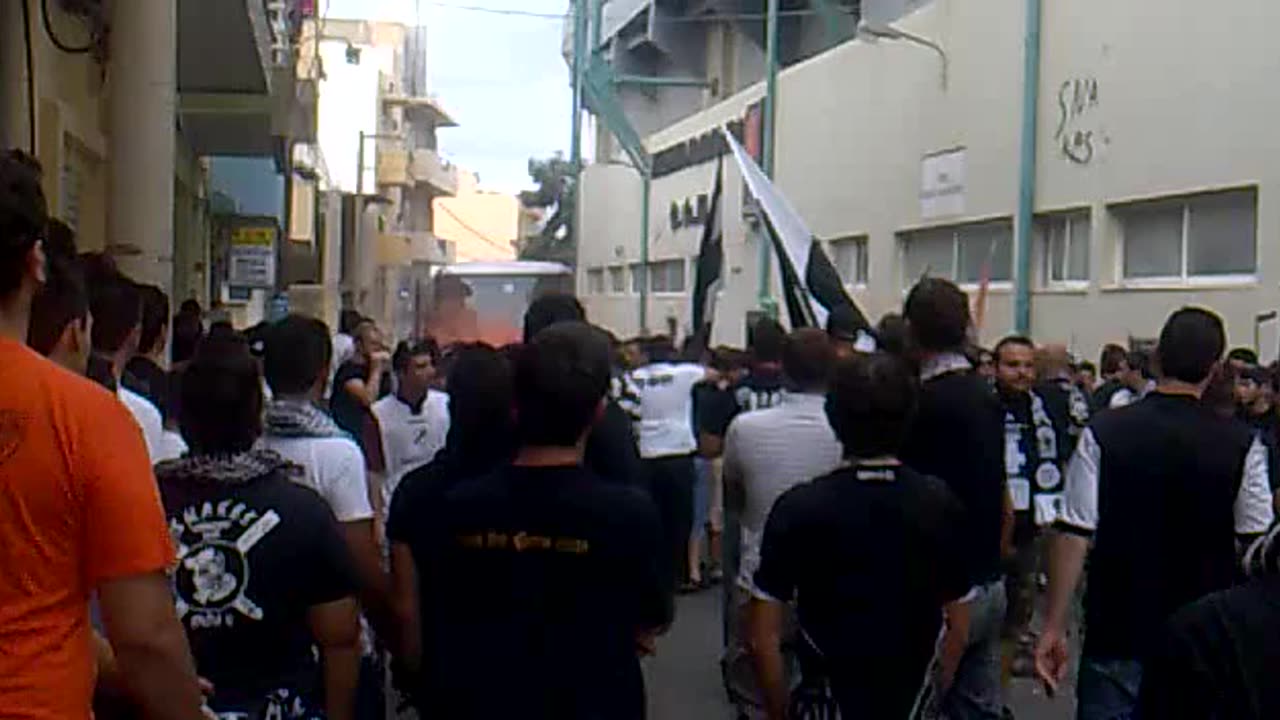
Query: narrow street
point(684, 678)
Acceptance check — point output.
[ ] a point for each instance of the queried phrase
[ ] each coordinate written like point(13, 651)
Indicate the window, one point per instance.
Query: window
point(1063, 240)
point(595, 281)
point(617, 280)
point(666, 276)
point(849, 255)
point(1211, 235)
point(637, 278)
point(963, 253)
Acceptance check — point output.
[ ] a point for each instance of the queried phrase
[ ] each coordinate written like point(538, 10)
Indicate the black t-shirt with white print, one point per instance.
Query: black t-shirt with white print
point(871, 553)
point(252, 559)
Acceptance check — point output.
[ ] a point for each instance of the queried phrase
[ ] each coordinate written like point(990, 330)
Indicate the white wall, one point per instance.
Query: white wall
point(348, 105)
point(1185, 103)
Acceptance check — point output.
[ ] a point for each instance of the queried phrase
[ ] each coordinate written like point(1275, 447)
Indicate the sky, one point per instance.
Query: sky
point(501, 77)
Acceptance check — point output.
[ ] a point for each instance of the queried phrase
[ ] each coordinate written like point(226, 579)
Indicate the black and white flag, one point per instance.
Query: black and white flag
point(812, 288)
point(708, 273)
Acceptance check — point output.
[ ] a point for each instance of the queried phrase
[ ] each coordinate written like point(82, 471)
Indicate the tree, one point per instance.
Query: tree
point(556, 180)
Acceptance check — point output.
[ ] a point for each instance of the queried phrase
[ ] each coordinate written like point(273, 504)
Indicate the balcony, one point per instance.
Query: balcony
point(403, 248)
point(428, 168)
point(393, 93)
point(393, 167)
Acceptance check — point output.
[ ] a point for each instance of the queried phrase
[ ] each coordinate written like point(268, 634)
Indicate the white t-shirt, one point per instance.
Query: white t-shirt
point(410, 441)
point(766, 453)
point(334, 468)
point(665, 408)
point(149, 420)
point(344, 346)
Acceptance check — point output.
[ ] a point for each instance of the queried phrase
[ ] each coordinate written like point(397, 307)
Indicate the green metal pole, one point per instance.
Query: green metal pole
point(597, 26)
point(1027, 170)
point(765, 276)
point(645, 186)
point(579, 65)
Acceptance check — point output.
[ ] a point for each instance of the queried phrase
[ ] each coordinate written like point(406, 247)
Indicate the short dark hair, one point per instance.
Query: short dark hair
point(550, 309)
point(1112, 359)
point(221, 398)
point(155, 315)
point(658, 348)
point(891, 334)
point(1019, 340)
point(871, 404)
point(298, 354)
point(560, 379)
point(23, 216)
point(116, 305)
point(406, 350)
point(62, 300)
point(188, 331)
point(480, 397)
point(766, 340)
point(937, 313)
point(1191, 344)
point(191, 306)
point(348, 321)
point(1243, 355)
point(807, 359)
point(1087, 366)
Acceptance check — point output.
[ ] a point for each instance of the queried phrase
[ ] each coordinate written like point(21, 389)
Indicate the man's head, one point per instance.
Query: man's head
point(807, 360)
point(560, 383)
point(891, 334)
point(1241, 358)
point(550, 309)
point(23, 218)
point(937, 315)
point(1113, 362)
point(297, 357)
point(368, 338)
point(1252, 387)
point(843, 325)
point(871, 404)
point(984, 361)
point(116, 304)
point(1015, 358)
point(766, 340)
point(1138, 370)
point(1086, 375)
point(188, 331)
point(348, 321)
point(657, 349)
point(155, 320)
point(1191, 344)
point(1053, 362)
point(414, 363)
point(221, 398)
point(480, 396)
point(60, 321)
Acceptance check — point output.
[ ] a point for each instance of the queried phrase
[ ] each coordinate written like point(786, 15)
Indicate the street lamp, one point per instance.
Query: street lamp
point(871, 32)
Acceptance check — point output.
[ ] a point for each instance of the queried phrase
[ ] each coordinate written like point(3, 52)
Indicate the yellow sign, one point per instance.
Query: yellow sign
point(253, 236)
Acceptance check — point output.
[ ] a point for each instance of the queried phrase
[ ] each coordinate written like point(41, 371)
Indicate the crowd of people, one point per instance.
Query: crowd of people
point(284, 522)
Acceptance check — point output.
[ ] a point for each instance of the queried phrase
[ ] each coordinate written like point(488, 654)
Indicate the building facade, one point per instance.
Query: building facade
point(377, 135)
point(479, 225)
point(1154, 186)
point(125, 121)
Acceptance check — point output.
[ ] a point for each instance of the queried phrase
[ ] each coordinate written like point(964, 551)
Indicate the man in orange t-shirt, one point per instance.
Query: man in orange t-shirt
point(79, 513)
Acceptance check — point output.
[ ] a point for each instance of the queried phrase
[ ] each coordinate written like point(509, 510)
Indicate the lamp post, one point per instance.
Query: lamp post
point(878, 31)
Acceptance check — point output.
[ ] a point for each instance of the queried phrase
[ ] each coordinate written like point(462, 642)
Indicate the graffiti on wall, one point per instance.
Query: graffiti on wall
point(1076, 134)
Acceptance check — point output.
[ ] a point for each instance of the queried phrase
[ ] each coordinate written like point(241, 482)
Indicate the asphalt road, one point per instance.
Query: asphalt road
point(683, 679)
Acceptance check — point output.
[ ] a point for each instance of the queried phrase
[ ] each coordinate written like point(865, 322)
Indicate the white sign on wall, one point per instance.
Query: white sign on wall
point(942, 184)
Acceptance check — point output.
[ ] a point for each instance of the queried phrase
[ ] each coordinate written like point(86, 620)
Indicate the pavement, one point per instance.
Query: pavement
point(683, 678)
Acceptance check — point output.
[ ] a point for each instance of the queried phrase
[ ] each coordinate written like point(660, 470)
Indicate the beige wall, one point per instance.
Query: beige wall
point(481, 225)
point(1185, 101)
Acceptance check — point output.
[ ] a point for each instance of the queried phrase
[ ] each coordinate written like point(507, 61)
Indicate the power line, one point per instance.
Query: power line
point(466, 226)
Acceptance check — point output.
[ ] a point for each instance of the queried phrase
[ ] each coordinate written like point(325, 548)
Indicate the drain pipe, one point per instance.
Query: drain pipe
point(1027, 170)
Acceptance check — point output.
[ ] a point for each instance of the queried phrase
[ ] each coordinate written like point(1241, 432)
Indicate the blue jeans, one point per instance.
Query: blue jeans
point(701, 496)
point(1107, 689)
point(976, 693)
